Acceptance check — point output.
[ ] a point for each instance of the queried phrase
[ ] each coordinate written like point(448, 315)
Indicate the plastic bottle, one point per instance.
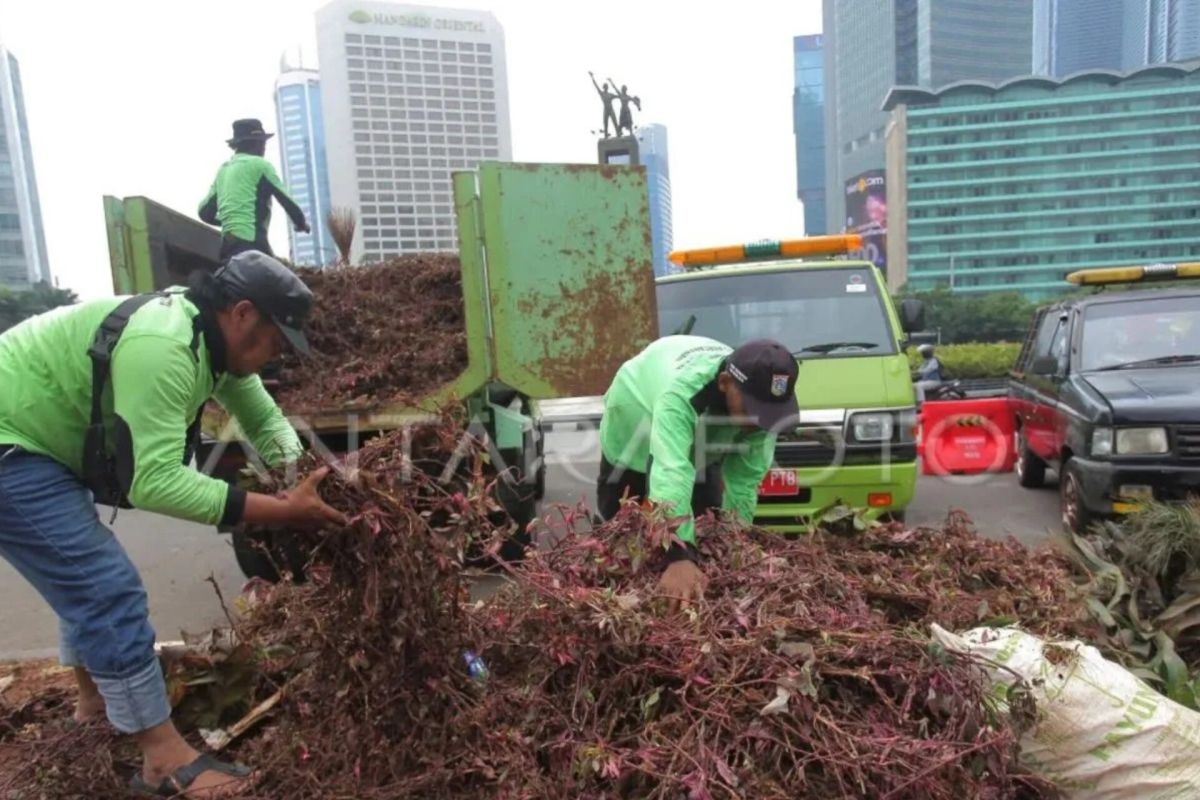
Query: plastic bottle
point(475, 667)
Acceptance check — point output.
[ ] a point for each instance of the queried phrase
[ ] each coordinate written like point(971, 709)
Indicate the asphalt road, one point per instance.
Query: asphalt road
point(176, 558)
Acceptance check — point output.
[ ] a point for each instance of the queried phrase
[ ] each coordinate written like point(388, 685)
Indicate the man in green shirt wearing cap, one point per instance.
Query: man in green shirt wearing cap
point(102, 401)
point(689, 425)
point(240, 198)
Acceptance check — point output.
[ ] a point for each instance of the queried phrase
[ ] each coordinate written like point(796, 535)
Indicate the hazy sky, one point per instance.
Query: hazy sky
point(130, 97)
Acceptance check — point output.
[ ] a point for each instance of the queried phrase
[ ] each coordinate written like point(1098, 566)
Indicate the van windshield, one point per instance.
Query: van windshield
point(816, 313)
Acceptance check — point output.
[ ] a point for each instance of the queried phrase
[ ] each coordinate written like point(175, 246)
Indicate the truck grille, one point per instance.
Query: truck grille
point(1187, 441)
point(808, 445)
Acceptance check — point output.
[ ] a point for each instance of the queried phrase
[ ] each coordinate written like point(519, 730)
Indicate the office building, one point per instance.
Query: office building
point(1075, 35)
point(301, 129)
point(1012, 186)
point(654, 156)
point(23, 260)
point(410, 95)
point(808, 125)
point(872, 46)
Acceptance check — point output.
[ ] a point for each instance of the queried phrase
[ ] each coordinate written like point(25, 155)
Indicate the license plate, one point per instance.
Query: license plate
point(780, 483)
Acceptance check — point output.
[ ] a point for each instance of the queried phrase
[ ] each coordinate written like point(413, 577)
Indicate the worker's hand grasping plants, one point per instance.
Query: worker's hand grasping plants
point(300, 506)
point(682, 583)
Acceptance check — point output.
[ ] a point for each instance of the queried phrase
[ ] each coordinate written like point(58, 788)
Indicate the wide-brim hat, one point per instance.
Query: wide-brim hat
point(247, 130)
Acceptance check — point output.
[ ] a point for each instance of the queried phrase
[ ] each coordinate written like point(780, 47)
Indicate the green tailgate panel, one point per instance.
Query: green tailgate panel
point(569, 272)
point(151, 247)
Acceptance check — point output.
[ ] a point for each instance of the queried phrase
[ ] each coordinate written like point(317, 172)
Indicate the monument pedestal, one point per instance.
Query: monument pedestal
point(618, 151)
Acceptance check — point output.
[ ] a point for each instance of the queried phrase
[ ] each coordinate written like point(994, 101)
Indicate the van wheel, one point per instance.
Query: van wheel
point(1031, 469)
point(1075, 516)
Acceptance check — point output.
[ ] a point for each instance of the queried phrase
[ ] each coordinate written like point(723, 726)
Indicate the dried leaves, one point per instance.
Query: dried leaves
point(379, 333)
point(806, 671)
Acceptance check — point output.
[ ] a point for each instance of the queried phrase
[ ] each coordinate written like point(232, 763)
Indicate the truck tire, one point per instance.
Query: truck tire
point(1075, 516)
point(1031, 469)
point(258, 553)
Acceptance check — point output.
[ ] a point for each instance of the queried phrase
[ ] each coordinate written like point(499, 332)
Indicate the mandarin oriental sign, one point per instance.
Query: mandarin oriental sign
point(417, 21)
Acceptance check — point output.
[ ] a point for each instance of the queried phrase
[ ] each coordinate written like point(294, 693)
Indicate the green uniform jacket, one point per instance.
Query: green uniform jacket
point(656, 405)
point(240, 198)
point(161, 375)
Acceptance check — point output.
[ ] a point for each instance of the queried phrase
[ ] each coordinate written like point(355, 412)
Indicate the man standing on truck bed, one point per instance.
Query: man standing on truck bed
point(137, 372)
point(684, 405)
point(240, 198)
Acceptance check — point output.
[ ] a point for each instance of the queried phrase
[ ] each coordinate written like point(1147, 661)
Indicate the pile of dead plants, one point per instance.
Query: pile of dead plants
point(379, 333)
point(807, 670)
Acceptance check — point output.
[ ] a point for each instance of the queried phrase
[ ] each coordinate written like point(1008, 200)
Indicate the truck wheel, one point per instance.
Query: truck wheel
point(1075, 516)
point(251, 551)
point(1031, 470)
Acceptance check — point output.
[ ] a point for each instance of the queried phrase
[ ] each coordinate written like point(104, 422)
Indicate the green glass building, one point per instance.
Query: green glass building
point(1010, 186)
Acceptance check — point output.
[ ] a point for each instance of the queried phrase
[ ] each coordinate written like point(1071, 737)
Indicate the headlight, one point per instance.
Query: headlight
point(1102, 442)
point(872, 427)
point(1141, 441)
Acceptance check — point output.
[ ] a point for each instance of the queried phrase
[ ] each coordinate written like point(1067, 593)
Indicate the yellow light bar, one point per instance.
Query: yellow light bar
point(1150, 272)
point(792, 248)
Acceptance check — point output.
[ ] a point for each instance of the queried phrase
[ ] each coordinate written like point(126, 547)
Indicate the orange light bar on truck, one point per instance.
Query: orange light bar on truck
point(1150, 272)
point(755, 251)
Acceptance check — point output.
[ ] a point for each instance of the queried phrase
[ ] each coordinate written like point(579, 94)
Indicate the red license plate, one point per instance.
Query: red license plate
point(780, 483)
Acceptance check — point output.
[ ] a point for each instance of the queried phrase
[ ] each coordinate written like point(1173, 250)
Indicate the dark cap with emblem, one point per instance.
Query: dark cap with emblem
point(247, 130)
point(273, 288)
point(766, 373)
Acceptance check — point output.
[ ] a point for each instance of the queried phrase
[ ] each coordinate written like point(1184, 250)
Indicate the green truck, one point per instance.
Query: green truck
point(557, 288)
point(855, 444)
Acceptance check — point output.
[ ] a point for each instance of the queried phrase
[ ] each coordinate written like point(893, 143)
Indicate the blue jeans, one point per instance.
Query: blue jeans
point(51, 534)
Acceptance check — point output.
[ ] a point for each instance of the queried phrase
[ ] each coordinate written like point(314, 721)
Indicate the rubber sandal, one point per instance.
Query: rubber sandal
point(179, 781)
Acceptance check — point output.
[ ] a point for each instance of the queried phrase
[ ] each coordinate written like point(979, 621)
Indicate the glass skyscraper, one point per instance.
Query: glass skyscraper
point(301, 128)
point(872, 46)
point(653, 155)
point(1011, 186)
point(23, 260)
point(410, 94)
point(808, 115)
point(1075, 35)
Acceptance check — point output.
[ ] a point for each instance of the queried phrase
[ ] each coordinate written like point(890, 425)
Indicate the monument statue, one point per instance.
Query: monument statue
point(626, 119)
point(607, 96)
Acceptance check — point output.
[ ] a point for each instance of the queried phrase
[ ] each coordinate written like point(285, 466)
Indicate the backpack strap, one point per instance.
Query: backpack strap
point(99, 469)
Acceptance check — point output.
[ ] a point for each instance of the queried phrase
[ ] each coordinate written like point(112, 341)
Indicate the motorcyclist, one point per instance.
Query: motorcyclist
point(929, 374)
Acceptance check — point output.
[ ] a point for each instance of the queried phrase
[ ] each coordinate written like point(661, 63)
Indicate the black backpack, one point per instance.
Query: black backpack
point(104, 474)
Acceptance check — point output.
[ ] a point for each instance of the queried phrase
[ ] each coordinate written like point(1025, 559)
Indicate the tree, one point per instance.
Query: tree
point(16, 306)
point(994, 317)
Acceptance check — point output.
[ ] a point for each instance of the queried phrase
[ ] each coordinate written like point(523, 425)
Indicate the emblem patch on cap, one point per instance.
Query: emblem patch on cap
point(779, 385)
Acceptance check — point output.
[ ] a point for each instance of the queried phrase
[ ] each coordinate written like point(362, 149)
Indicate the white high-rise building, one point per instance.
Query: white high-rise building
point(23, 259)
point(410, 95)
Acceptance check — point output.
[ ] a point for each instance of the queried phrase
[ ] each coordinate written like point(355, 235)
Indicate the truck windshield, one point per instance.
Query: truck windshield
point(1137, 333)
point(816, 313)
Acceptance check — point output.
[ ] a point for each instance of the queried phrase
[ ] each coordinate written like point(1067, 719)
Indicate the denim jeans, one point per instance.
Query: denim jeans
point(51, 534)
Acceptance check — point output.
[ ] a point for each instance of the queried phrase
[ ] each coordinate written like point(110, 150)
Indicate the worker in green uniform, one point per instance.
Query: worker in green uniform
point(240, 198)
point(101, 401)
point(690, 425)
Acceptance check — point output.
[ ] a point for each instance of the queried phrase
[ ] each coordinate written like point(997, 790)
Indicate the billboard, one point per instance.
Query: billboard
point(866, 214)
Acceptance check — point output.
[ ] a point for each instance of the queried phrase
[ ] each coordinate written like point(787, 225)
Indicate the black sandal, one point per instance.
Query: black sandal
point(179, 780)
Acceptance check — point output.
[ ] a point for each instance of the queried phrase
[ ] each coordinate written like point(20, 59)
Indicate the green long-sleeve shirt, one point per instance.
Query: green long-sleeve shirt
point(653, 411)
point(161, 375)
point(240, 198)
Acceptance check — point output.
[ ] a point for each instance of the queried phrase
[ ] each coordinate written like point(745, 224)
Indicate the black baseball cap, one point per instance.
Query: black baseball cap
point(273, 288)
point(766, 373)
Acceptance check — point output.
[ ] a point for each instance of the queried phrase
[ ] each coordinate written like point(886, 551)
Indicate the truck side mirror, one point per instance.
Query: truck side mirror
point(912, 315)
point(1044, 365)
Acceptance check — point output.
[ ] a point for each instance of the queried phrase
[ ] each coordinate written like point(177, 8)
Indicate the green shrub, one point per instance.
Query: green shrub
point(992, 360)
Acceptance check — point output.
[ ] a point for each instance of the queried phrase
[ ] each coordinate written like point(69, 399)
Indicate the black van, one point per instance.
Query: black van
point(1107, 390)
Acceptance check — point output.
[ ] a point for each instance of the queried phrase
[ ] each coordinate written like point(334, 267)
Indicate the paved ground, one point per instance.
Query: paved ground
point(176, 558)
